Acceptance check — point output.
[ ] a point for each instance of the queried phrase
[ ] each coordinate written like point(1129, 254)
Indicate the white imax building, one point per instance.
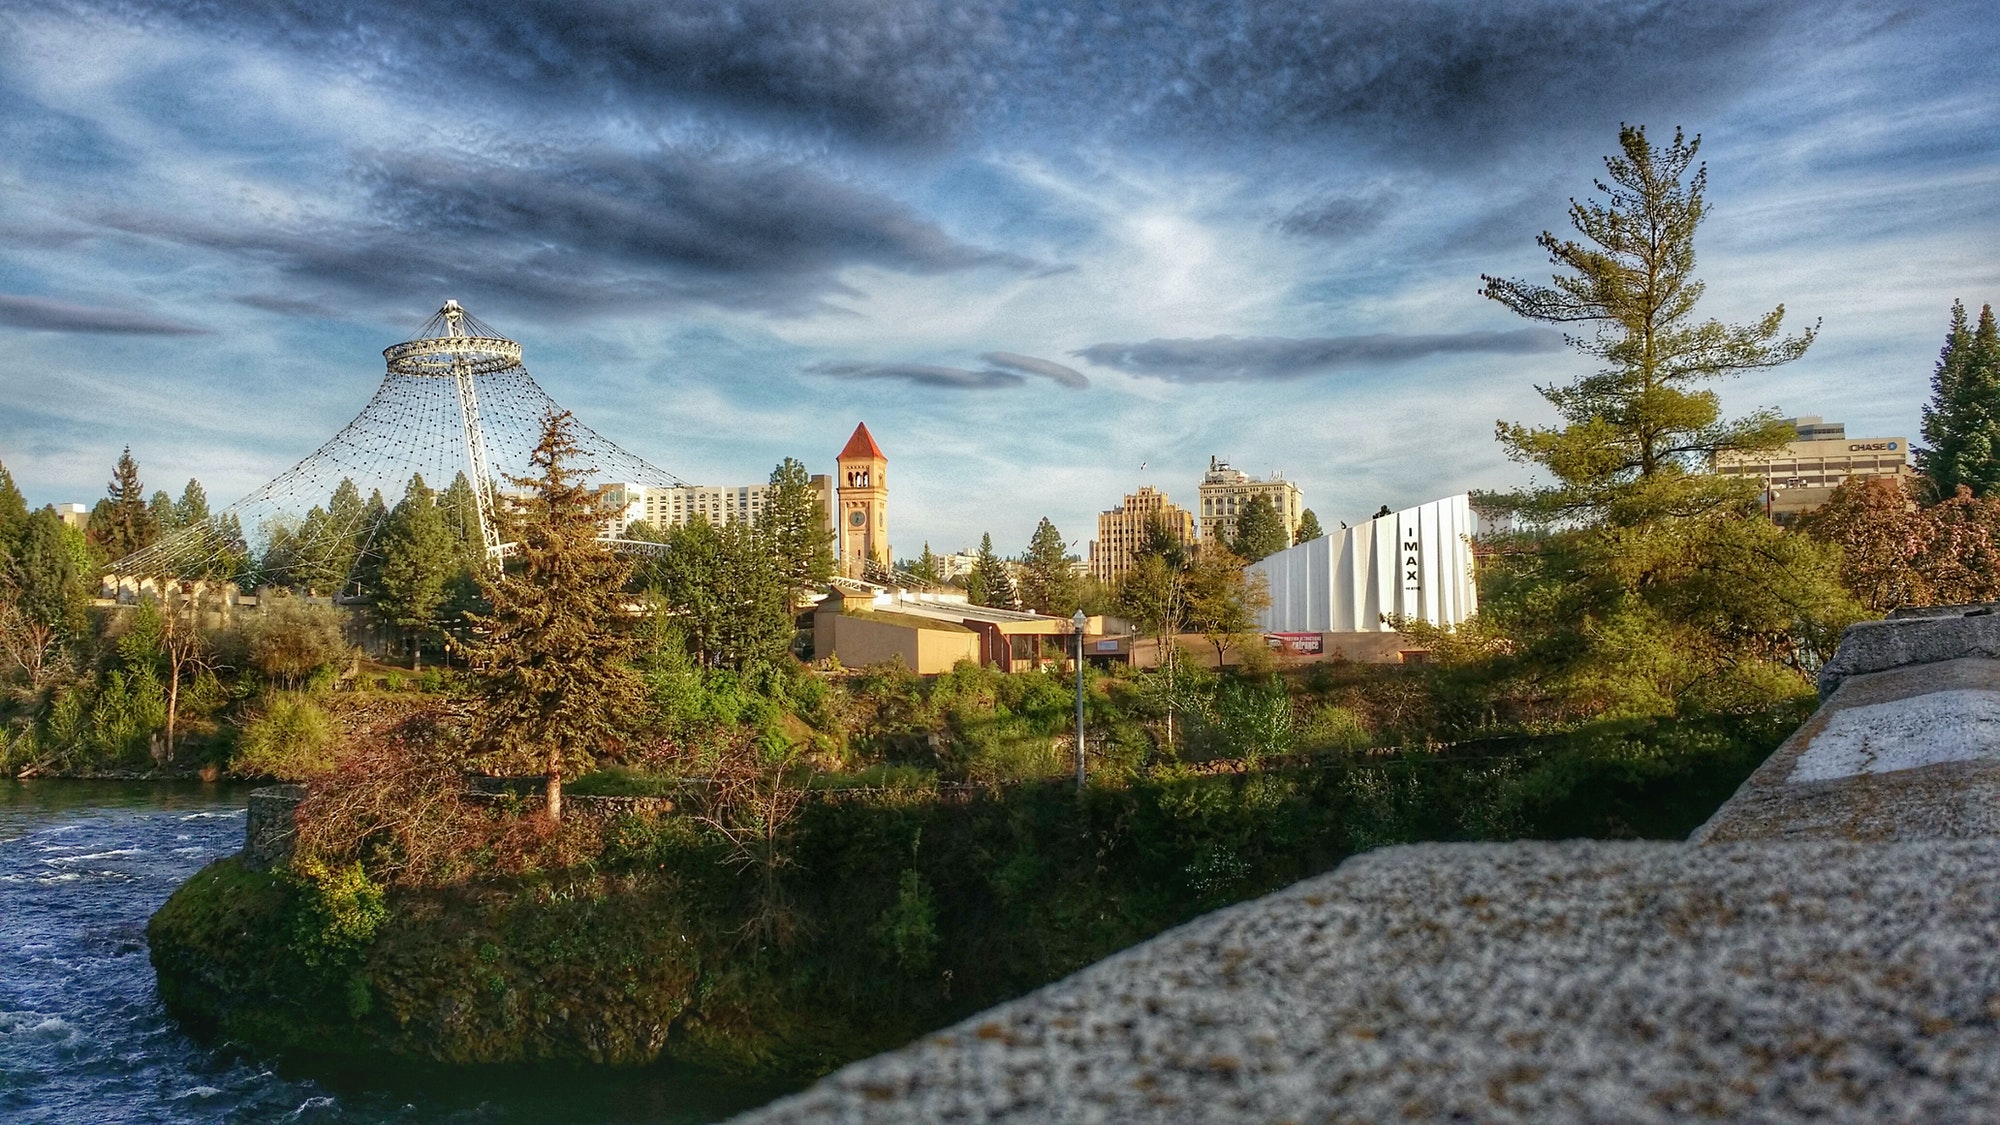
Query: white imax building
point(1416, 563)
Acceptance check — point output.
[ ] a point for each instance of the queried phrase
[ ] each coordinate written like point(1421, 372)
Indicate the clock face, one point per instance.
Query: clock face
point(856, 518)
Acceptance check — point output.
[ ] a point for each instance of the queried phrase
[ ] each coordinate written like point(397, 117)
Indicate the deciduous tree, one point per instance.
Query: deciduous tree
point(43, 594)
point(1223, 600)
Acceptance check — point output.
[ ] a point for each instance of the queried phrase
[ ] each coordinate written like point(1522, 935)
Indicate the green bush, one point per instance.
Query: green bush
point(290, 739)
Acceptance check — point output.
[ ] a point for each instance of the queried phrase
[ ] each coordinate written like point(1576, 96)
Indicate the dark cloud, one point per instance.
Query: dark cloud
point(1338, 217)
point(1222, 359)
point(1417, 79)
point(1003, 370)
point(568, 232)
point(1427, 80)
point(45, 315)
point(889, 69)
point(922, 374)
point(1067, 376)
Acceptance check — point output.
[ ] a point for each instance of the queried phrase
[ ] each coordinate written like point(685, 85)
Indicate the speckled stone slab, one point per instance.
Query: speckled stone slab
point(1545, 983)
point(1929, 636)
point(1910, 753)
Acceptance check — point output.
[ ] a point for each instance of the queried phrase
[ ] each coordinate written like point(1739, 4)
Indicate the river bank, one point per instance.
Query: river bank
point(84, 1037)
point(861, 922)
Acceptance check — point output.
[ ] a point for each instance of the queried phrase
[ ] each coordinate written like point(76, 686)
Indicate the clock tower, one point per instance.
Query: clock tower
point(864, 504)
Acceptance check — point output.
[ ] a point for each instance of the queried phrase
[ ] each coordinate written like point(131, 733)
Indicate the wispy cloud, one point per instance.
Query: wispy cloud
point(1224, 359)
point(570, 232)
point(921, 374)
point(44, 315)
point(1067, 376)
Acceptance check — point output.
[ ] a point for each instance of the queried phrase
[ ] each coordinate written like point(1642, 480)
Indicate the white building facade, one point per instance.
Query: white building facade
point(1416, 563)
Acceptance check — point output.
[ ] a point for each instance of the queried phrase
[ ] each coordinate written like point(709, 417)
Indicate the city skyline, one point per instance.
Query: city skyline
point(1031, 254)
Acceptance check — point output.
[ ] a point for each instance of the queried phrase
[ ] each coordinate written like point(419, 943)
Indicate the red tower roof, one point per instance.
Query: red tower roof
point(862, 445)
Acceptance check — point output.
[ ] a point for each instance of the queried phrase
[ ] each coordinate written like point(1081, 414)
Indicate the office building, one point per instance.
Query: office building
point(1226, 491)
point(1122, 530)
point(1802, 474)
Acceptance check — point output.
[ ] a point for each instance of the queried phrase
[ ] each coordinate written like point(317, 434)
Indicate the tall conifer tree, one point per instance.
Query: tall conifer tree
point(1048, 576)
point(1962, 420)
point(122, 522)
point(553, 651)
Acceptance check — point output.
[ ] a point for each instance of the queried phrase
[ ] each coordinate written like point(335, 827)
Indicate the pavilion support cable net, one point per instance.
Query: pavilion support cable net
point(455, 400)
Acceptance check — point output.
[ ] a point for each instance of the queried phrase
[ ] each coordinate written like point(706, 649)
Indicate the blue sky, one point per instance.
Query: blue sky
point(1033, 245)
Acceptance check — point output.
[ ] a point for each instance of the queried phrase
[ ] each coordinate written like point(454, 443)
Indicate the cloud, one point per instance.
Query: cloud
point(1003, 370)
point(884, 69)
point(43, 315)
point(922, 374)
point(1222, 359)
point(1067, 376)
point(570, 232)
point(1336, 218)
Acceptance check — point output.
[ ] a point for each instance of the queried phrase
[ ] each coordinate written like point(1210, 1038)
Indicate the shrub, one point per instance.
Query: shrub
point(291, 640)
point(289, 740)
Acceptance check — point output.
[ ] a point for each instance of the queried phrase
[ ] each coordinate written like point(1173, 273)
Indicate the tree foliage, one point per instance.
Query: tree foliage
point(123, 522)
point(795, 527)
point(1223, 600)
point(1048, 573)
point(1637, 434)
point(1260, 531)
point(420, 553)
point(989, 583)
point(1645, 584)
point(1962, 419)
point(1309, 528)
point(727, 591)
point(290, 640)
point(552, 651)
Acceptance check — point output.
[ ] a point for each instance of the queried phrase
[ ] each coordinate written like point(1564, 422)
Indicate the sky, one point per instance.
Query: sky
point(1048, 252)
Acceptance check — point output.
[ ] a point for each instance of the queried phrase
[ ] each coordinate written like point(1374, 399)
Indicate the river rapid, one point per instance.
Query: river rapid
point(85, 1041)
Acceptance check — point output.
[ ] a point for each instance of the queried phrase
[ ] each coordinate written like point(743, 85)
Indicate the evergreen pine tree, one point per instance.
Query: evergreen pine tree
point(553, 651)
point(13, 514)
point(1657, 584)
point(48, 590)
point(1962, 421)
point(1639, 435)
point(1048, 577)
point(121, 523)
point(1309, 528)
point(192, 507)
point(926, 569)
point(161, 509)
point(989, 584)
point(418, 557)
point(1260, 531)
point(794, 523)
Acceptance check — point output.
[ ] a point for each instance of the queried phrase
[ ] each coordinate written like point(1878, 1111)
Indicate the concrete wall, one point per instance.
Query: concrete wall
point(1416, 563)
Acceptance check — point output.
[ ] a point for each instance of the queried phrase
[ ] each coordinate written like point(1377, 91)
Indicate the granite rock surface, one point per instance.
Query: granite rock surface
point(1546, 983)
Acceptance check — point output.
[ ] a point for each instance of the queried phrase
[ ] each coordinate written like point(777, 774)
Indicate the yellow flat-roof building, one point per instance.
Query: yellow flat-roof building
point(1802, 475)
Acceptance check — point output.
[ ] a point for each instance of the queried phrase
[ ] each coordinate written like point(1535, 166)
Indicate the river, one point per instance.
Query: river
point(84, 1040)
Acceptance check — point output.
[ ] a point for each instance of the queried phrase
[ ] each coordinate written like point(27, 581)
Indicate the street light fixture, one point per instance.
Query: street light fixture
point(1078, 621)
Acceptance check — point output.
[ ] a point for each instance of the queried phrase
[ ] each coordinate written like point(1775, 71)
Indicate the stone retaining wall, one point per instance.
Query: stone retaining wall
point(1822, 950)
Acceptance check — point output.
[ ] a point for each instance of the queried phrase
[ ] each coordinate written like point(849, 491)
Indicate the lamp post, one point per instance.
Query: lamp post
point(1078, 620)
